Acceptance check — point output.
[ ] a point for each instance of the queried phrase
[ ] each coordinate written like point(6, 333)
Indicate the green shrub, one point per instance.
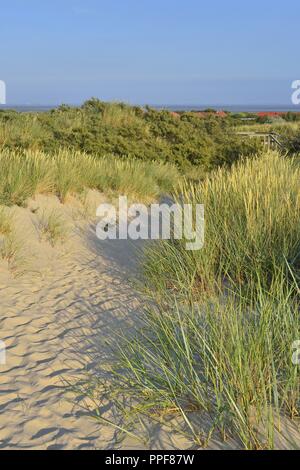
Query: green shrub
point(99, 128)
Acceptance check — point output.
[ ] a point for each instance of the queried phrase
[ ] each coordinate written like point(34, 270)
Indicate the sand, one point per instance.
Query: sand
point(59, 304)
point(53, 319)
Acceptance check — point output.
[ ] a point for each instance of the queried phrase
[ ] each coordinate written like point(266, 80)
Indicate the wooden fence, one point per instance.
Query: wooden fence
point(271, 140)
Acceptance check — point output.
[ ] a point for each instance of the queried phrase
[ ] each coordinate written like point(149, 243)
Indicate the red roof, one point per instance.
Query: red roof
point(270, 113)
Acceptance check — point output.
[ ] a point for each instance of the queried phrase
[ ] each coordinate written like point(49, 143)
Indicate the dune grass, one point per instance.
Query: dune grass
point(11, 251)
point(22, 130)
point(218, 343)
point(53, 227)
point(5, 222)
point(252, 221)
point(225, 367)
point(26, 173)
point(11, 248)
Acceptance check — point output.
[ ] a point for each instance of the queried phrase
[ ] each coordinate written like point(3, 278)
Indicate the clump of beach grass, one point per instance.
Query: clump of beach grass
point(24, 174)
point(16, 182)
point(11, 251)
point(10, 246)
point(53, 227)
point(252, 214)
point(227, 361)
point(5, 221)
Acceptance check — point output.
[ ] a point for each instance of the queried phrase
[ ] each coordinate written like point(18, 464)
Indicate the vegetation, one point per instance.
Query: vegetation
point(286, 127)
point(5, 222)
point(11, 251)
point(103, 129)
point(225, 364)
point(216, 340)
point(52, 227)
point(27, 172)
point(252, 215)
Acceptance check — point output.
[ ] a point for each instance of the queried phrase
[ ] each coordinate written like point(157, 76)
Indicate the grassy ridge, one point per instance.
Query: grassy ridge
point(26, 173)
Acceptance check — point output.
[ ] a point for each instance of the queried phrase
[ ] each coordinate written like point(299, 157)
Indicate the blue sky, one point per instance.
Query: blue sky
point(149, 51)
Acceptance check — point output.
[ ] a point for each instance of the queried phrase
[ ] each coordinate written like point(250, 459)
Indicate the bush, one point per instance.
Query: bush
point(99, 128)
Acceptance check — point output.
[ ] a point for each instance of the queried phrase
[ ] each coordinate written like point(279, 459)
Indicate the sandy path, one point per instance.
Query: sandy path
point(54, 327)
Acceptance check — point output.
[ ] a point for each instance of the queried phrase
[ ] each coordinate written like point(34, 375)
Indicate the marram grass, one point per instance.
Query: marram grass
point(252, 229)
point(223, 366)
point(26, 173)
point(217, 346)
